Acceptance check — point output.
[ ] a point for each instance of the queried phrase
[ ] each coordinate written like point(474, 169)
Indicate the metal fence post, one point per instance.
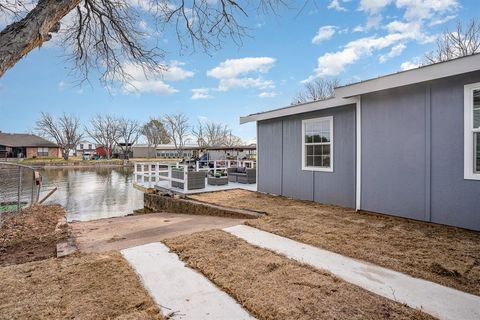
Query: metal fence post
point(19, 191)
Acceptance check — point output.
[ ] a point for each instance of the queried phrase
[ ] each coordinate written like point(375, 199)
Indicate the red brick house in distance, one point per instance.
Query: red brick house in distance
point(22, 145)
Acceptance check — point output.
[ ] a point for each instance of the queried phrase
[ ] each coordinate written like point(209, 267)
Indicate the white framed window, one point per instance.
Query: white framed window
point(472, 131)
point(317, 144)
point(42, 152)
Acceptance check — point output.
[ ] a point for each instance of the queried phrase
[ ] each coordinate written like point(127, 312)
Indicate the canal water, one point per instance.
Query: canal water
point(93, 193)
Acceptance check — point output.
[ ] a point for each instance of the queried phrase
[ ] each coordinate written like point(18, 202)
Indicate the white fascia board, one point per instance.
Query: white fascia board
point(403, 78)
point(301, 108)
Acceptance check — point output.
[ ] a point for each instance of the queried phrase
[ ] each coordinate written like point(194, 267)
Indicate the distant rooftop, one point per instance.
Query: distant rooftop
point(24, 140)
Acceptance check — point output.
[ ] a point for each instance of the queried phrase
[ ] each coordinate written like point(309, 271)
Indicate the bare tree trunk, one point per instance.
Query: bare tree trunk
point(21, 37)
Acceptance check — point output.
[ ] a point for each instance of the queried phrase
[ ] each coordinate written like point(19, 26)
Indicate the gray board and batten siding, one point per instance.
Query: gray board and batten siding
point(280, 159)
point(412, 140)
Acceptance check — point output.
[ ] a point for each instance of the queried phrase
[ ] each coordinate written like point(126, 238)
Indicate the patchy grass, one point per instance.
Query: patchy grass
point(30, 235)
point(271, 286)
point(88, 286)
point(446, 255)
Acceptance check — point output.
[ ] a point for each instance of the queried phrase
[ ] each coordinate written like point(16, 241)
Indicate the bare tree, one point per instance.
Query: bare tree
point(155, 133)
point(64, 130)
point(104, 129)
point(177, 127)
point(105, 34)
point(233, 140)
point(128, 133)
point(318, 89)
point(212, 134)
point(463, 41)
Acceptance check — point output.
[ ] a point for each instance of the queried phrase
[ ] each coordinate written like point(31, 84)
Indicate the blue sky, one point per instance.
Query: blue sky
point(347, 39)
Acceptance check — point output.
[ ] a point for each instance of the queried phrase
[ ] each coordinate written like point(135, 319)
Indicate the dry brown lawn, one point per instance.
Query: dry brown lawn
point(86, 286)
point(29, 235)
point(271, 286)
point(446, 255)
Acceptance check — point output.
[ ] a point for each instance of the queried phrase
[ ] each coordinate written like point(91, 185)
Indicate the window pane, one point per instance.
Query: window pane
point(310, 151)
point(317, 161)
point(476, 108)
point(477, 152)
point(326, 161)
point(309, 161)
point(326, 150)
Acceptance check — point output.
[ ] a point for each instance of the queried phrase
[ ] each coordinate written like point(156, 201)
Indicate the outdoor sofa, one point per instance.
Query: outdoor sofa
point(242, 175)
point(195, 180)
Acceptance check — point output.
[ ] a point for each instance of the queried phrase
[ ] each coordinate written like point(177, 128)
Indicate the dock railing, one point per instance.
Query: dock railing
point(150, 174)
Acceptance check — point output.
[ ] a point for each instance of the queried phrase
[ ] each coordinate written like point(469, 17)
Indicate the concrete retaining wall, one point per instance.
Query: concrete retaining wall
point(157, 202)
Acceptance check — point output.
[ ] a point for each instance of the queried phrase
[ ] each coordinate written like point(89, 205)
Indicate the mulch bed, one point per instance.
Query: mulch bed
point(80, 286)
point(446, 255)
point(30, 235)
point(271, 286)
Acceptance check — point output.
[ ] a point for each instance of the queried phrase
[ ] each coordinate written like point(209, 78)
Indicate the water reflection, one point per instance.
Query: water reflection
point(93, 193)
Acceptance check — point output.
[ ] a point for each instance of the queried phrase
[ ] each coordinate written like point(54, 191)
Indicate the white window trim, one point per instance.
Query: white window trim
point(304, 167)
point(469, 173)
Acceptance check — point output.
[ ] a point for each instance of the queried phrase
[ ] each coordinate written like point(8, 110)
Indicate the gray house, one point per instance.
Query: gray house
point(406, 144)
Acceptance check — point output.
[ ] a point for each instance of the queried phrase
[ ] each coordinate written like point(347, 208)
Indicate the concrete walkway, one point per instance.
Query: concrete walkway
point(125, 232)
point(181, 292)
point(439, 301)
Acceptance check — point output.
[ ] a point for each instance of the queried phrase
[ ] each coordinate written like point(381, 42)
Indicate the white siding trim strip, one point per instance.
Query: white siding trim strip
point(358, 153)
point(439, 301)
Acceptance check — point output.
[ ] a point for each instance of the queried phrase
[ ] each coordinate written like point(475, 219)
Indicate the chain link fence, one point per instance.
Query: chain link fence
point(19, 187)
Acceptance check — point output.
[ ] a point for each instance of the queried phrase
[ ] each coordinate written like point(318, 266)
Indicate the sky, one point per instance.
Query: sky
point(345, 39)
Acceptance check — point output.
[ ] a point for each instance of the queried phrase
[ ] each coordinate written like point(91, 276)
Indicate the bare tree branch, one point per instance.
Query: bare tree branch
point(178, 130)
point(128, 134)
point(104, 130)
point(461, 42)
point(318, 89)
point(105, 35)
point(64, 130)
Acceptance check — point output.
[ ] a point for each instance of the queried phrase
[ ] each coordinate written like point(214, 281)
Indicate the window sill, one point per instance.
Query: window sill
point(317, 169)
point(473, 176)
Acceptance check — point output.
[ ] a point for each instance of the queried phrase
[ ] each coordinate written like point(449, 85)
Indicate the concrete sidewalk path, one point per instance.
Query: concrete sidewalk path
point(439, 301)
point(125, 232)
point(179, 291)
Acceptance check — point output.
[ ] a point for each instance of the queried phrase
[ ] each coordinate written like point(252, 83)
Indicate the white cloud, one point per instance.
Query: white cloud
point(200, 93)
point(61, 85)
point(437, 21)
point(234, 67)
point(243, 73)
point(245, 83)
point(394, 52)
point(407, 65)
point(324, 33)
point(267, 94)
point(154, 82)
point(333, 63)
point(373, 6)
point(426, 9)
point(175, 72)
point(335, 5)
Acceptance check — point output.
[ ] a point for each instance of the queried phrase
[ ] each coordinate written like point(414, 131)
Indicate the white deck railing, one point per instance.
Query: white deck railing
point(150, 174)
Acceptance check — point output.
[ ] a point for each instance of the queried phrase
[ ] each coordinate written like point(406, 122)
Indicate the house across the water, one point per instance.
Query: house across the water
point(22, 145)
point(406, 144)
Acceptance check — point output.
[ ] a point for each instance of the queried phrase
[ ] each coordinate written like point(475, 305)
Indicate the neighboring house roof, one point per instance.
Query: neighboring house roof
point(344, 94)
point(165, 146)
point(247, 147)
point(24, 140)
